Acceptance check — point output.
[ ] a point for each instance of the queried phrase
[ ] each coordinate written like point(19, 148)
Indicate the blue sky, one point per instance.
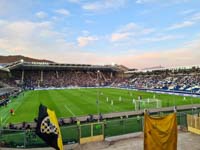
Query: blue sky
point(135, 33)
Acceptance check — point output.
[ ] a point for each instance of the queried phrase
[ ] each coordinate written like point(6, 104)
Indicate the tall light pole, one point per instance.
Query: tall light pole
point(98, 71)
point(173, 81)
point(97, 101)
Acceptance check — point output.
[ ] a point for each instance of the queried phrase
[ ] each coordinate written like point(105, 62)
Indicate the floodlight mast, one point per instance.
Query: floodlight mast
point(98, 96)
point(173, 75)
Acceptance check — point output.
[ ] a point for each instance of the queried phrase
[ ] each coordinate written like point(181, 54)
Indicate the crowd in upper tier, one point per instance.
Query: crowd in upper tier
point(64, 78)
point(162, 81)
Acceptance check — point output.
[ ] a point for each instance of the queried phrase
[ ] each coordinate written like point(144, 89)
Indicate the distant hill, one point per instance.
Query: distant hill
point(13, 58)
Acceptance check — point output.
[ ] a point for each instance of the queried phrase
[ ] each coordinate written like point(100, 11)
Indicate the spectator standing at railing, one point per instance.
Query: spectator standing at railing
point(12, 111)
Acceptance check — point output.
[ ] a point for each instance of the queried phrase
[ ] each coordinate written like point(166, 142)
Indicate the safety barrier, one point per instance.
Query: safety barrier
point(93, 131)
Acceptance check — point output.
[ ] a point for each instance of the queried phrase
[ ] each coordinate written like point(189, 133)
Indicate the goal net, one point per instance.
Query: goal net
point(147, 103)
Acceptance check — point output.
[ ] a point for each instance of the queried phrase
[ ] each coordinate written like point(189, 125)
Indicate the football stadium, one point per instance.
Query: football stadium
point(92, 102)
point(99, 75)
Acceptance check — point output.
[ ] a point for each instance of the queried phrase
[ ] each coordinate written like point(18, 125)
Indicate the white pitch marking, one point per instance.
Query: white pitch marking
point(69, 110)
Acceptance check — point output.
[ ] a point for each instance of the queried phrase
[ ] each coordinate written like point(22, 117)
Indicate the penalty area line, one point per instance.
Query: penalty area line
point(70, 110)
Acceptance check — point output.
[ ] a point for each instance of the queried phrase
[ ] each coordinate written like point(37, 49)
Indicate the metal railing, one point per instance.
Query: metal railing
point(71, 133)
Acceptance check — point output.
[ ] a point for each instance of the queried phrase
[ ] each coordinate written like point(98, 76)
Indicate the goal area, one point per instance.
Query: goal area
point(147, 103)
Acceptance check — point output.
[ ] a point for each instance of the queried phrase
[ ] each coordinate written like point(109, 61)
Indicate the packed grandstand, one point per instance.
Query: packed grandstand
point(44, 75)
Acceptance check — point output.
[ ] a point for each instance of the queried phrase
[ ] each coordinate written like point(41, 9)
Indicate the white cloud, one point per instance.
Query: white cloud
point(85, 40)
point(181, 25)
point(119, 36)
point(64, 12)
point(128, 27)
point(15, 7)
point(195, 17)
point(191, 20)
point(184, 55)
point(162, 38)
point(23, 29)
point(41, 14)
point(32, 39)
point(186, 12)
point(103, 4)
point(74, 1)
point(92, 6)
point(130, 30)
point(145, 1)
point(181, 1)
point(85, 32)
point(160, 1)
point(89, 21)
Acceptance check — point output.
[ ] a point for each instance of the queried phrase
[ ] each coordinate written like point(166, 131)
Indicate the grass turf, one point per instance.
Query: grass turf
point(78, 102)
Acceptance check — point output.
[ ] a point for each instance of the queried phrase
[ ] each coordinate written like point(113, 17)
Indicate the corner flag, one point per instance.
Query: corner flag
point(160, 133)
point(48, 128)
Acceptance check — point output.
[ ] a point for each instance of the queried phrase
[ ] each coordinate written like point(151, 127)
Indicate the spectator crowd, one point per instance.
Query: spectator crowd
point(64, 78)
point(164, 80)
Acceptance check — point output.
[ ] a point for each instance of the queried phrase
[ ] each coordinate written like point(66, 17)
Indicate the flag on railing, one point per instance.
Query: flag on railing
point(160, 133)
point(48, 128)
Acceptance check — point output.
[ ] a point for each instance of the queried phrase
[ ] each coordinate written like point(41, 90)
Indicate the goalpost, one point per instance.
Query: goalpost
point(147, 103)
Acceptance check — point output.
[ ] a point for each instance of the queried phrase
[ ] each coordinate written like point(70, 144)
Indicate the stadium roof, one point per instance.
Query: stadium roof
point(4, 69)
point(21, 65)
point(160, 68)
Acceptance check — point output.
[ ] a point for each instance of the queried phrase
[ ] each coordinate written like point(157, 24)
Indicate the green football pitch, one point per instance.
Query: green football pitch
point(80, 102)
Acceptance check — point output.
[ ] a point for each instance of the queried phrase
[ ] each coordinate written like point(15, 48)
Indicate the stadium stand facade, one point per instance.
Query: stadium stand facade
point(44, 75)
point(183, 80)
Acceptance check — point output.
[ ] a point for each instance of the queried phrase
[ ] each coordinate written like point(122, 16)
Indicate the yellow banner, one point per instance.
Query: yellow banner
point(160, 133)
point(54, 120)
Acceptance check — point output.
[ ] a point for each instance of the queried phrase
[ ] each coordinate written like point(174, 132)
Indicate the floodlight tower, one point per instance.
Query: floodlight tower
point(22, 75)
point(98, 74)
point(173, 75)
point(98, 96)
